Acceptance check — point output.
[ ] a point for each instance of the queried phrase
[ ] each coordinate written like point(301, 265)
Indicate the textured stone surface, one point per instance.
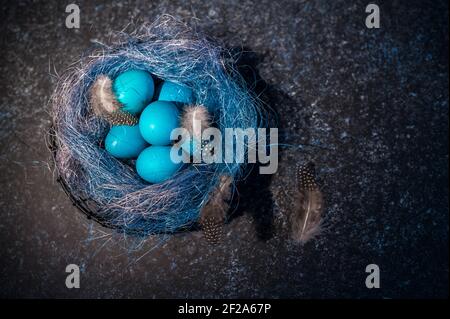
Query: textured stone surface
point(373, 105)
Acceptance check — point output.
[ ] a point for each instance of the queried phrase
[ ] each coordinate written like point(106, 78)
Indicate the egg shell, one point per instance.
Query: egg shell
point(125, 141)
point(172, 92)
point(157, 122)
point(155, 165)
point(134, 89)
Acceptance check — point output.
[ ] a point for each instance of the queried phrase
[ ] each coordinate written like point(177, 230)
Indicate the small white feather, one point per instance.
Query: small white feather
point(196, 119)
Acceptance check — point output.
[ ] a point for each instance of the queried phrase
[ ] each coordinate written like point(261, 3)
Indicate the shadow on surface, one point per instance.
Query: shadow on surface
point(254, 195)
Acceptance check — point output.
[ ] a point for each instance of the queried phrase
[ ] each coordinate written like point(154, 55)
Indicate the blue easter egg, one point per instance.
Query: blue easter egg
point(134, 89)
point(125, 141)
point(155, 165)
point(173, 92)
point(157, 122)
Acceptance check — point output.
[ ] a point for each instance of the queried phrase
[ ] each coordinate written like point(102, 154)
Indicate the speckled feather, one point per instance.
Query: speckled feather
point(212, 229)
point(306, 219)
point(105, 104)
point(121, 118)
point(196, 119)
point(213, 214)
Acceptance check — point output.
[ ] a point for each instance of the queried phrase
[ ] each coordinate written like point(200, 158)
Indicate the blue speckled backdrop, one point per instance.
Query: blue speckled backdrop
point(375, 100)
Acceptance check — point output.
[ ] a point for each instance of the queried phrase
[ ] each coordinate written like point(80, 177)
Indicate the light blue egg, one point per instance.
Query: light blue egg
point(173, 92)
point(134, 89)
point(157, 122)
point(155, 165)
point(125, 141)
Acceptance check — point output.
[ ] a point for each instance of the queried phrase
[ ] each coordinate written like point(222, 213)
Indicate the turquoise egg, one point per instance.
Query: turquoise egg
point(173, 92)
point(155, 165)
point(125, 141)
point(157, 122)
point(134, 89)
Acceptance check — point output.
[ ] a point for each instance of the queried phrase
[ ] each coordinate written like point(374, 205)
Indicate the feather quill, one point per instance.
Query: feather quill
point(306, 220)
point(196, 119)
point(213, 214)
point(104, 103)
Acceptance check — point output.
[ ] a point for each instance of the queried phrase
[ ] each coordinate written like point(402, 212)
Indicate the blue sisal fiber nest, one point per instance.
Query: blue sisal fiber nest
point(109, 190)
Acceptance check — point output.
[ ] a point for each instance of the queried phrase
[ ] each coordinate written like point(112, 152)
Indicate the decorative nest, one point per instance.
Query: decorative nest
point(109, 190)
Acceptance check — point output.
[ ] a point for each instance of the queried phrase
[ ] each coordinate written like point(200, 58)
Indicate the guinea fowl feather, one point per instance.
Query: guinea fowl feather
point(306, 220)
point(195, 119)
point(213, 214)
point(104, 103)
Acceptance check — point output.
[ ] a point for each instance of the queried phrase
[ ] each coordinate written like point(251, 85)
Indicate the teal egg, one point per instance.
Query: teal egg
point(155, 165)
point(173, 92)
point(157, 122)
point(125, 141)
point(134, 89)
